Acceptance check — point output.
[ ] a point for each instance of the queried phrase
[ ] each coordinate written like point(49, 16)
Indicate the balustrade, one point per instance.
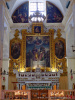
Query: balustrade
point(61, 94)
point(27, 94)
point(17, 94)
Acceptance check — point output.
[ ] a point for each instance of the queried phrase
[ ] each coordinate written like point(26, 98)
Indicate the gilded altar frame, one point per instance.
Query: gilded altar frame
point(54, 61)
point(15, 40)
point(60, 63)
point(12, 60)
point(51, 44)
point(37, 28)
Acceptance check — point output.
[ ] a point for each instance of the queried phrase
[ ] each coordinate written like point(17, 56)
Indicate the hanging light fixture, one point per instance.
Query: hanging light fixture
point(37, 17)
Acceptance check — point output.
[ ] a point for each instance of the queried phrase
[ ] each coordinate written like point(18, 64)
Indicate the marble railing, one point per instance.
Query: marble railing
point(26, 94)
point(61, 94)
point(17, 94)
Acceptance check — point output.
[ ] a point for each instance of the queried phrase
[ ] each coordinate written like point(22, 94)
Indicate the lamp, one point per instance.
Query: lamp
point(37, 17)
point(22, 70)
point(73, 48)
point(54, 70)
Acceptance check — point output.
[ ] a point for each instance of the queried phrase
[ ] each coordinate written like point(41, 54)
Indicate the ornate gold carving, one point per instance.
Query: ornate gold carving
point(58, 33)
point(16, 33)
point(24, 33)
point(60, 63)
point(37, 30)
point(60, 39)
point(18, 60)
point(50, 34)
point(15, 40)
point(54, 61)
point(10, 68)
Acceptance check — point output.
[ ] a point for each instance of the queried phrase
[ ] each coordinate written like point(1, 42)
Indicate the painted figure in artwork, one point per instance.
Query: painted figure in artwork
point(39, 47)
point(59, 49)
point(53, 13)
point(21, 14)
point(37, 29)
point(15, 50)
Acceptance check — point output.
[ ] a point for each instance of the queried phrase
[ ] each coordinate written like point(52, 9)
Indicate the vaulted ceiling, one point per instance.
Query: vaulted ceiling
point(61, 4)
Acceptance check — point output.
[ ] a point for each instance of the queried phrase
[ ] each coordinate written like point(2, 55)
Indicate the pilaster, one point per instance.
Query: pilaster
point(73, 9)
point(1, 41)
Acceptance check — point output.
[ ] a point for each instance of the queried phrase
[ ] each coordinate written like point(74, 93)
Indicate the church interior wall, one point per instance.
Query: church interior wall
point(69, 41)
point(67, 34)
point(6, 38)
point(5, 53)
point(65, 85)
point(5, 77)
point(70, 55)
point(71, 78)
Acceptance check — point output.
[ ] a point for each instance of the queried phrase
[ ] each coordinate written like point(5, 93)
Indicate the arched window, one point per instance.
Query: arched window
point(34, 6)
point(52, 13)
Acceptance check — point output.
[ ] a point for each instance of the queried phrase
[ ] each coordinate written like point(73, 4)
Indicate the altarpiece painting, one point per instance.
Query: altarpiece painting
point(15, 50)
point(59, 49)
point(37, 51)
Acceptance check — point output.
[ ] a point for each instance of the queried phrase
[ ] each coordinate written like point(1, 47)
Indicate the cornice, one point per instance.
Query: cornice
point(57, 25)
point(23, 25)
point(20, 25)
